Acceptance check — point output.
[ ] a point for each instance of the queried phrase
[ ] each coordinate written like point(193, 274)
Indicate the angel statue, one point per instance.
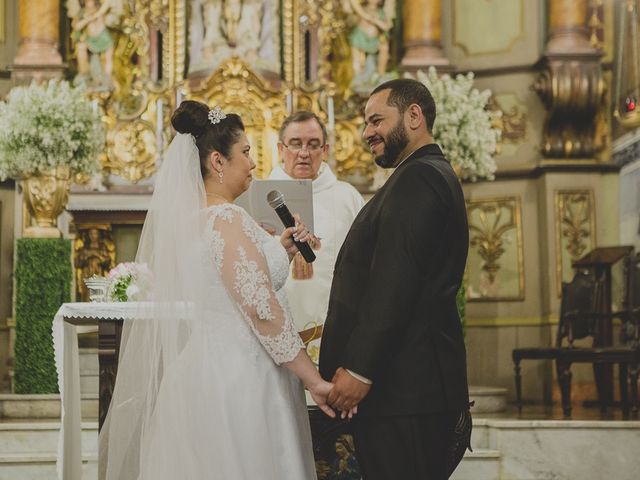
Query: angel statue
point(94, 44)
point(220, 29)
point(369, 38)
point(95, 254)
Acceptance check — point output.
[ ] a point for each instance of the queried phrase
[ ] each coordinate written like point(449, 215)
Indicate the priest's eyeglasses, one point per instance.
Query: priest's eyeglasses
point(311, 147)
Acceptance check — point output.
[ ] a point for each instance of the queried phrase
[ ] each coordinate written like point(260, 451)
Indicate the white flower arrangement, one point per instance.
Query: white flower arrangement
point(129, 281)
point(463, 126)
point(44, 126)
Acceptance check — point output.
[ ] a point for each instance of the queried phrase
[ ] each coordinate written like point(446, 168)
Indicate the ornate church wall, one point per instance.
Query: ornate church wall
point(8, 41)
point(513, 288)
point(550, 166)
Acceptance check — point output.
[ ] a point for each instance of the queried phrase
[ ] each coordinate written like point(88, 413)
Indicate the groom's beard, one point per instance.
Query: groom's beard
point(394, 145)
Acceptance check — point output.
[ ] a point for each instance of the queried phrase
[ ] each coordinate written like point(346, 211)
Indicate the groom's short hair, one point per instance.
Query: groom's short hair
point(405, 92)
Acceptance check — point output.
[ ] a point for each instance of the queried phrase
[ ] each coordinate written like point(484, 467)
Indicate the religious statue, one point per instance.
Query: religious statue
point(248, 29)
point(95, 254)
point(369, 39)
point(94, 43)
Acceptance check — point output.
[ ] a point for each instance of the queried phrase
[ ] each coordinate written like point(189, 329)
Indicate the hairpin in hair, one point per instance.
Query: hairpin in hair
point(216, 115)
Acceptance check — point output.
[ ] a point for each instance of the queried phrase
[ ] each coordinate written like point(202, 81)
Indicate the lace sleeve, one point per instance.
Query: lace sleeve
point(240, 259)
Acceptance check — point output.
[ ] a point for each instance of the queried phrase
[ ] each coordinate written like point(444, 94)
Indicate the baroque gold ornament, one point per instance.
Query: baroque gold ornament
point(45, 196)
point(132, 150)
point(235, 87)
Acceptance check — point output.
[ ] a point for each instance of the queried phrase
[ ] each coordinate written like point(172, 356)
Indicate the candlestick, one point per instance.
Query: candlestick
point(289, 102)
point(159, 125)
point(331, 126)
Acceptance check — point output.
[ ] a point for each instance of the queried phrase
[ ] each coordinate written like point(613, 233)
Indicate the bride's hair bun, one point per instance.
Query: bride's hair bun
point(193, 117)
point(190, 117)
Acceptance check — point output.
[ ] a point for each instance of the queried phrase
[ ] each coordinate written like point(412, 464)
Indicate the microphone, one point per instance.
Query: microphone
point(276, 201)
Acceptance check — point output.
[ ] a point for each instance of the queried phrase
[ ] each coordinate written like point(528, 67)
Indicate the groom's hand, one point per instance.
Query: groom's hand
point(347, 390)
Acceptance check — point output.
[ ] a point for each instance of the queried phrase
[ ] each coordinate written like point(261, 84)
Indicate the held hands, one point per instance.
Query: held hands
point(298, 233)
point(320, 391)
point(347, 392)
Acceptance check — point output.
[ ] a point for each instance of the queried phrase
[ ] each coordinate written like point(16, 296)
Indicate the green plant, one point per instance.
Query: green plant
point(44, 126)
point(43, 276)
point(461, 303)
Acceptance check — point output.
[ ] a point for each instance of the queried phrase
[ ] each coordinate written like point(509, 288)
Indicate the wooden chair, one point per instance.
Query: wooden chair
point(575, 295)
point(585, 312)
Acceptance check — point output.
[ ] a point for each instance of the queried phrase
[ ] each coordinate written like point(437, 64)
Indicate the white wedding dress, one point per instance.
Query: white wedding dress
point(225, 409)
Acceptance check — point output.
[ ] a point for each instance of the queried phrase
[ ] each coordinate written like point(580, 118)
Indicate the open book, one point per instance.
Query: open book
point(298, 196)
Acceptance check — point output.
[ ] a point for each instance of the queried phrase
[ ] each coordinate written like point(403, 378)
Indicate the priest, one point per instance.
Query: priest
point(303, 151)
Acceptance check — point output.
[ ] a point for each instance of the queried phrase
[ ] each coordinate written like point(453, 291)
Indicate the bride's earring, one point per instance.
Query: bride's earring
point(220, 175)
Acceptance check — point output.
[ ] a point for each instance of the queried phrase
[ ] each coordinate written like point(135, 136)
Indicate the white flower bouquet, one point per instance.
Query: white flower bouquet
point(463, 126)
point(44, 126)
point(129, 281)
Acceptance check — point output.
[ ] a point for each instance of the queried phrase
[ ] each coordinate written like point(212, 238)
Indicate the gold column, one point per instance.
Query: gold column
point(570, 83)
point(568, 29)
point(422, 34)
point(38, 55)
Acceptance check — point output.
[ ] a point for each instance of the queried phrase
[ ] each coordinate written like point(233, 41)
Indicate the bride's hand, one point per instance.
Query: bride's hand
point(298, 233)
point(319, 393)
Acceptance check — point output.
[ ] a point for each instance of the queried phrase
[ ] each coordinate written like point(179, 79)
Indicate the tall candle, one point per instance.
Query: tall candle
point(179, 97)
point(289, 102)
point(331, 124)
point(159, 125)
point(330, 114)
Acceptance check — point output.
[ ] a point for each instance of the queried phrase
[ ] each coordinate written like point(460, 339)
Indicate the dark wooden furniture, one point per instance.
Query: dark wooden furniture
point(586, 312)
point(600, 262)
point(109, 336)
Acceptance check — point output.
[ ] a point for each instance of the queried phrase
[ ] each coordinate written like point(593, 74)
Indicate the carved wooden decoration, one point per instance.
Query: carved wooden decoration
point(575, 230)
point(495, 268)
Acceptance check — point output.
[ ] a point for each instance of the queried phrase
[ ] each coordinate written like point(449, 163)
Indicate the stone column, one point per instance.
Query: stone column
point(422, 21)
point(38, 56)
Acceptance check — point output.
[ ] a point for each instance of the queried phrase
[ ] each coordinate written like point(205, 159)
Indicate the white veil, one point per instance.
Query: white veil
point(151, 343)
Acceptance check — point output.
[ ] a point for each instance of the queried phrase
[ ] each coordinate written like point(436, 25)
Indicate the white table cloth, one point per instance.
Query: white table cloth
point(70, 320)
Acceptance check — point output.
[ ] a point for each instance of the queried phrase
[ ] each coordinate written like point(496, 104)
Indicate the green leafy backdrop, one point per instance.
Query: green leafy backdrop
point(43, 283)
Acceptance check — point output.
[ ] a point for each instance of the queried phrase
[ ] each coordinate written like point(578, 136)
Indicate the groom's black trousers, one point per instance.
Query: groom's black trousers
point(412, 447)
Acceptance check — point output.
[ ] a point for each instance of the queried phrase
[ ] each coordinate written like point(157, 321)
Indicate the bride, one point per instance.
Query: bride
point(210, 375)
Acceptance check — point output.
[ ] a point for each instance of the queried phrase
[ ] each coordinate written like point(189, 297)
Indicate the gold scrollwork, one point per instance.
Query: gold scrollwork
point(133, 94)
point(575, 230)
point(495, 267)
point(131, 150)
point(571, 91)
point(512, 121)
point(596, 24)
point(235, 87)
point(175, 48)
point(354, 163)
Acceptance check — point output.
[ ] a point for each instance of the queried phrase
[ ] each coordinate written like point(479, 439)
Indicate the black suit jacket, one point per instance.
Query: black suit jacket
point(392, 310)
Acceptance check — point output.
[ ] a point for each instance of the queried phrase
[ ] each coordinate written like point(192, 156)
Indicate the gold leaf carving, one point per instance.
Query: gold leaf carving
point(495, 267)
point(575, 229)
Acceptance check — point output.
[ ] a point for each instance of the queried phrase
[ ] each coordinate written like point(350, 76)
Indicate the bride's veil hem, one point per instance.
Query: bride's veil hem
point(153, 341)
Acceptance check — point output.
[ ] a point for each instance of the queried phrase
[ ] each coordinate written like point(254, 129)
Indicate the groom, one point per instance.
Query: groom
point(392, 341)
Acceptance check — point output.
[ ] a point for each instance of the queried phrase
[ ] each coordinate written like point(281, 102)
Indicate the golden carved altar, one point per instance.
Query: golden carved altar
point(258, 58)
point(262, 59)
